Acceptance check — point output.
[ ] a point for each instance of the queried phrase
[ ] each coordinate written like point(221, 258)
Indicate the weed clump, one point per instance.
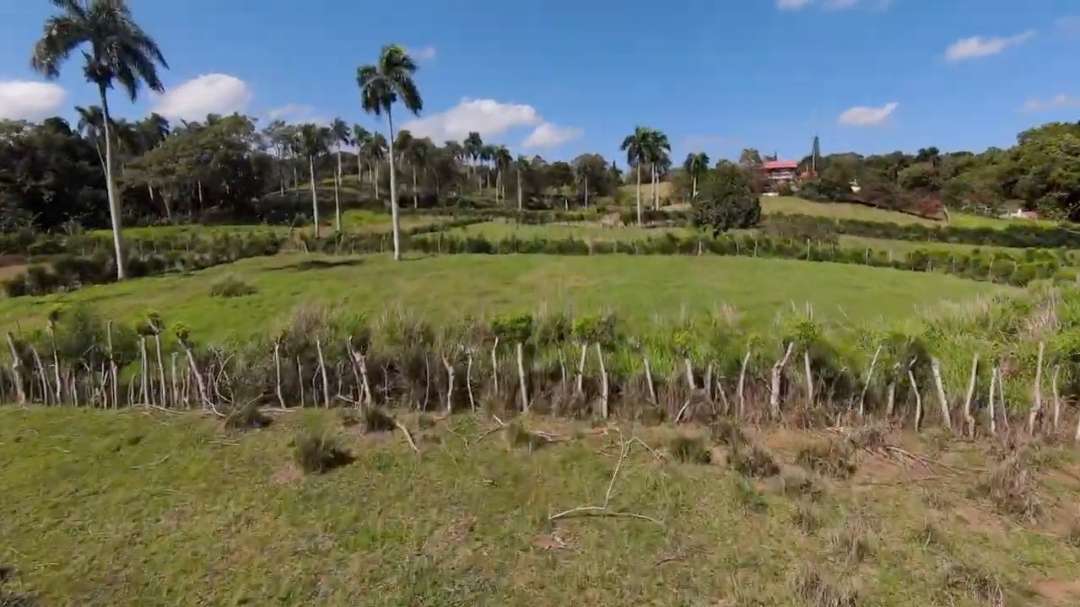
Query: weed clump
point(319, 452)
point(247, 417)
point(748, 498)
point(377, 420)
point(811, 588)
point(517, 437)
point(1072, 538)
point(727, 432)
point(754, 462)
point(350, 418)
point(827, 459)
point(973, 583)
point(231, 286)
point(806, 519)
point(690, 450)
point(852, 542)
point(1010, 486)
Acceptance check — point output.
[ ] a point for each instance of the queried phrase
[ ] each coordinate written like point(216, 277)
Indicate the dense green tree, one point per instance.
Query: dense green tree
point(119, 51)
point(383, 84)
point(726, 201)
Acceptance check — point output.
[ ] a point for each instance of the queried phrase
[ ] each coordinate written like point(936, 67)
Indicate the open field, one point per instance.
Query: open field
point(637, 288)
point(789, 205)
point(137, 508)
point(497, 230)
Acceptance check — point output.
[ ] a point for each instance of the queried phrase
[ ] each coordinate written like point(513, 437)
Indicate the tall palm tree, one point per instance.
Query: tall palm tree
point(503, 159)
point(377, 153)
point(520, 165)
point(92, 125)
point(387, 81)
point(119, 51)
point(695, 166)
point(361, 137)
point(313, 142)
point(487, 154)
point(341, 135)
point(634, 145)
point(657, 148)
point(473, 145)
point(419, 155)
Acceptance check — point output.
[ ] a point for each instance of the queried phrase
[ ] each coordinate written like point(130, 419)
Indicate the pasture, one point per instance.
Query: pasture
point(636, 288)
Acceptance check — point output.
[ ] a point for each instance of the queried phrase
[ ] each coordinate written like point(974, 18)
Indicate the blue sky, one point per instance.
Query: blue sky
point(566, 76)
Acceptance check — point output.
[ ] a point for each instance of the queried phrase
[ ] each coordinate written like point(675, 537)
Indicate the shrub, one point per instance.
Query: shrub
point(806, 518)
point(690, 450)
point(1010, 486)
point(247, 417)
point(319, 452)
point(377, 420)
point(517, 436)
point(754, 462)
point(827, 459)
point(231, 287)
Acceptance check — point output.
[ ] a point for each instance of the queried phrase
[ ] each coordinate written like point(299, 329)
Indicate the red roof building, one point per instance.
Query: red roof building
point(780, 172)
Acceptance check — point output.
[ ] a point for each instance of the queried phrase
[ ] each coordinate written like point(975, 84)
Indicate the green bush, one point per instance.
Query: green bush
point(317, 451)
point(231, 286)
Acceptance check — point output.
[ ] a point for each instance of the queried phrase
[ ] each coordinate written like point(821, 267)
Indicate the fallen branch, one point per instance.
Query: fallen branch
point(605, 510)
point(408, 436)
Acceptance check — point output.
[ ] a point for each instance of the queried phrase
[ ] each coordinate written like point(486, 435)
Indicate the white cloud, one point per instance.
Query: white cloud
point(423, 53)
point(868, 116)
point(23, 100)
point(791, 5)
point(290, 112)
point(1057, 102)
point(549, 135)
point(485, 116)
point(978, 46)
point(206, 94)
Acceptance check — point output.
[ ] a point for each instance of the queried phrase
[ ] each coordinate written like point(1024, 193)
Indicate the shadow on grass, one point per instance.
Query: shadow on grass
point(320, 264)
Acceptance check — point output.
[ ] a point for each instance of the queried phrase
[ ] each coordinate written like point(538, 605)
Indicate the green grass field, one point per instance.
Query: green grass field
point(497, 230)
point(788, 205)
point(139, 508)
point(637, 288)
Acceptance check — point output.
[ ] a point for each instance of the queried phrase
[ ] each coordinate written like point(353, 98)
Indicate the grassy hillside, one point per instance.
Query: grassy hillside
point(138, 508)
point(638, 288)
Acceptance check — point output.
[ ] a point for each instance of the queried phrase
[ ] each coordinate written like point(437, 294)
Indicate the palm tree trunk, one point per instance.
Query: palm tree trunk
point(110, 188)
point(586, 191)
point(639, 222)
point(337, 194)
point(376, 180)
point(519, 189)
point(359, 172)
point(694, 195)
point(393, 191)
point(314, 195)
point(415, 194)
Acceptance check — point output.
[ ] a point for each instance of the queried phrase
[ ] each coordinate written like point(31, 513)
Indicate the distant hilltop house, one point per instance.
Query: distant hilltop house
point(780, 172)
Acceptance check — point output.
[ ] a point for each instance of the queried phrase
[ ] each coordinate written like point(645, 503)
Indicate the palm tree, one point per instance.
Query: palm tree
point(520, 165)
point(503, 159)
point(313, 142)
point(91, 125)
point(361, 137)
point(341, 135)
point(474, 145)
point(381, 84)
point(634, 145)
point(696, 165)
point(656, 153)
point(377, 153)
point(420, 152)
point(119, 51)
point(487, 154)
